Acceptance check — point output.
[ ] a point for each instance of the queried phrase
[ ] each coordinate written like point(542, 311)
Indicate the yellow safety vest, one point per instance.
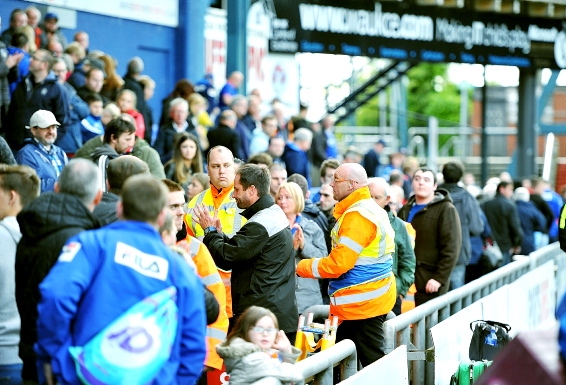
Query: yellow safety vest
point(232, 222)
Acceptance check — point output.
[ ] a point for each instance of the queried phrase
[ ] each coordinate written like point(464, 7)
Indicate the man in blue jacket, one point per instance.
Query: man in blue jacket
point(107, 271)
point(40, 152)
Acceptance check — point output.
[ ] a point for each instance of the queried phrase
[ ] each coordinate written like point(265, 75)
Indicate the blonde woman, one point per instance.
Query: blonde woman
point(308, 241)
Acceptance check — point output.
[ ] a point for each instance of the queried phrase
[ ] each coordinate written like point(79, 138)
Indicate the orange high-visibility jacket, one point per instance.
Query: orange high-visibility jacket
point(206, 269)
point(231, 220)
point(362, 284)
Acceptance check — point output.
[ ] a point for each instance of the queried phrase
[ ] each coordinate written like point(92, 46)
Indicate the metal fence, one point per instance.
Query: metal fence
point(412, 328)
point(319, 367)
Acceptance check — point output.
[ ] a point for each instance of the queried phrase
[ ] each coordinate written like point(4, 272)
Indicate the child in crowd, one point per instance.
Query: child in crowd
point(127, 102)
point(109, 112)
point(256, 348)
point(199, 182)
point(92, 126)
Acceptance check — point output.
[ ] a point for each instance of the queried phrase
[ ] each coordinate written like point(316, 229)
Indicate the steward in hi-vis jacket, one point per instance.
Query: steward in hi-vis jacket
point(362, 285)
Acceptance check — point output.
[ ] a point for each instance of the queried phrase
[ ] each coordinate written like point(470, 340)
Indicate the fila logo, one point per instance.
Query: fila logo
point(146, 264)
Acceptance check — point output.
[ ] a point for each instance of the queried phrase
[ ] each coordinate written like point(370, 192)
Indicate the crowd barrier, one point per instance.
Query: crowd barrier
point(413, 328)
point(533, 280)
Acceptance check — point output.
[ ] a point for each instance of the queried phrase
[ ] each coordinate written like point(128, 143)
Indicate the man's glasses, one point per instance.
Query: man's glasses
point(261, 330)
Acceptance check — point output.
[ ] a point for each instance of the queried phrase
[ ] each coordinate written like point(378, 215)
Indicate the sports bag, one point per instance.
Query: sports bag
point(488, 339)
point(134, 347)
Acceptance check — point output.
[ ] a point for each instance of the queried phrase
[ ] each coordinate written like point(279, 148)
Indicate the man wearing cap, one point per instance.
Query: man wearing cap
point(39, 90)
point(51, 29)
point(40, 152)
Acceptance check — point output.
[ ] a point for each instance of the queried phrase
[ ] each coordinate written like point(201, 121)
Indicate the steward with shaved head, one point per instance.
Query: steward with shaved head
point(362, 285)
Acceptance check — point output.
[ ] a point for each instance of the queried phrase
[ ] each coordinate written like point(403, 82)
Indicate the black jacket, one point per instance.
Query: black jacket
point(164, 144)
point(312, 212)
point(261, 257)
point(105, 211)
point(27, 99)
point(46, 225)
point(503, 219)
point(470, 219)
point(224, 136)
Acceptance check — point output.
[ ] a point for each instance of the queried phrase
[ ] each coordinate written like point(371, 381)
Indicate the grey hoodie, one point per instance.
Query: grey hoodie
point(9, 317)
point(246, 363)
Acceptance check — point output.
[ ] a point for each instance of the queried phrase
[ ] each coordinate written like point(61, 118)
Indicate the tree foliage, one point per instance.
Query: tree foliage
point(429, 93)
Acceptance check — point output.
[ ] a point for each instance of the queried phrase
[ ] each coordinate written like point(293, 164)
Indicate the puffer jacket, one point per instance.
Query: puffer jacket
point(247, 363)
point(46, 224)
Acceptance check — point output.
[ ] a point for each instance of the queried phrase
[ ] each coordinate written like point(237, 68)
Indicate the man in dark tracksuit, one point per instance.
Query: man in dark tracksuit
point(260, 254)
point(38, 91)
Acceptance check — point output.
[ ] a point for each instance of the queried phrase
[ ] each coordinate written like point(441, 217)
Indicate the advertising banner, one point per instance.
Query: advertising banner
point(398, 31)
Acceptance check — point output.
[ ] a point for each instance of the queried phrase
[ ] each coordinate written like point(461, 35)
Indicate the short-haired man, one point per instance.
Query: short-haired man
point(295, 155)
point(46, 224)
point(260, 254)
point(362, 284)
point(18, 18)
point(224, 134)
point(117, 172)
point(206, 270)
point(230, 89)
point(40, 90)
point(276, 148)
point(123, 144)
point(40, 152)
point(327, 169)
point(178, 112)
point(261, 136)
point(94, 81)
point(278, 177)
point(219, 201)
point(327, 201)
point(19, 185)
point(503, 218)
point(439, 235)
point(471, 222)
point(126, 261)
point(404, 256)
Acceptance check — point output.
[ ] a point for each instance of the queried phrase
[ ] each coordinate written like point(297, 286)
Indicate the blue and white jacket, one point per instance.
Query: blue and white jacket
point(99, 275)
point(47, 164)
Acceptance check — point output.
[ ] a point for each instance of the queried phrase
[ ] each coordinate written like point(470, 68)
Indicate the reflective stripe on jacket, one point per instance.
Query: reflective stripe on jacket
point(232, 222)
point(362, 284)
point(206, 269)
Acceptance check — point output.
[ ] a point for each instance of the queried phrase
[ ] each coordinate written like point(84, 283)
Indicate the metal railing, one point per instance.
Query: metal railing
point(412, 328)
point(319, 367)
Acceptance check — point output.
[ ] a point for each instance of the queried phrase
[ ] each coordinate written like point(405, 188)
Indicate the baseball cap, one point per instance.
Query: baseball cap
point(42, 119)
point(50, 16)
point(382, 142)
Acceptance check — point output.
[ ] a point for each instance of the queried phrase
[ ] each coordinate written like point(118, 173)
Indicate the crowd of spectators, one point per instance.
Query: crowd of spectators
point(244, 187)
